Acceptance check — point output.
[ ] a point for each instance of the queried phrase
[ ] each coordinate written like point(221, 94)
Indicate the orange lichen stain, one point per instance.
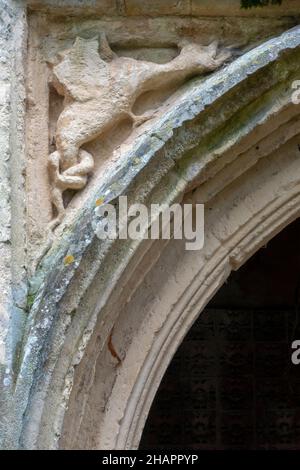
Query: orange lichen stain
point(112, 348)
point(69, 259)
point(99, 201)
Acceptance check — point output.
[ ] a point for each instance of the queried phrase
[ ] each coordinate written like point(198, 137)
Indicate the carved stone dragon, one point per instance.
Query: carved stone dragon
point(99, 90)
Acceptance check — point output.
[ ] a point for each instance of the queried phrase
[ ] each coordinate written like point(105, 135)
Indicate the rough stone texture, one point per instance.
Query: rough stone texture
point(232, 138)
point(195, 115)
point(101, 7)
point(162, 7)
point(5, 88)
point(158, 7)
point(12, 253)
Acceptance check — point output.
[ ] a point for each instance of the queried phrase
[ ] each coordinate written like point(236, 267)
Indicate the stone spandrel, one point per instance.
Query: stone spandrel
point(98, 84)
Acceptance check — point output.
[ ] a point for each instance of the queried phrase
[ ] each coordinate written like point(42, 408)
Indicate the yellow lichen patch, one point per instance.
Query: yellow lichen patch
point(136, 161)
point(99, 201)
point(69, 259)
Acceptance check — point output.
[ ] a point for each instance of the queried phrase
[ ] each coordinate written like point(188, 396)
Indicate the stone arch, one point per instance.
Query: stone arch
point(170, 307)
point(230, 142)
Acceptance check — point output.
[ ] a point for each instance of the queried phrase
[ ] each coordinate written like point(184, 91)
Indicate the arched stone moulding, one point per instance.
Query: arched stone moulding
point(159, 324)
point(230, 142)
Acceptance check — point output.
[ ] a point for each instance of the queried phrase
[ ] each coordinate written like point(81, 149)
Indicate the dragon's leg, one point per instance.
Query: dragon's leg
point(74, 177)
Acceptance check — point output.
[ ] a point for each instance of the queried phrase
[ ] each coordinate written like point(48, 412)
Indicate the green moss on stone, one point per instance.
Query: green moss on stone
point(30, 301)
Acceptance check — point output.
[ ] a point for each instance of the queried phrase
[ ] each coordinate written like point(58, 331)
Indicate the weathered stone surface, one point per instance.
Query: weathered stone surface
point(100, 7)
point(12, 252)
point(163, 7)
point(77, 286)
point(83, 353)
point(158, 7)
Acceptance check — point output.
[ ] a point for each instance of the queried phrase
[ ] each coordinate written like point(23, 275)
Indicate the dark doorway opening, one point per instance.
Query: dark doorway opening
point(232, 384)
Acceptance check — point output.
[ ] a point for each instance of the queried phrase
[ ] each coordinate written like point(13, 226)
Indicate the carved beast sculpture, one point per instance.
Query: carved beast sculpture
point(100, 89)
